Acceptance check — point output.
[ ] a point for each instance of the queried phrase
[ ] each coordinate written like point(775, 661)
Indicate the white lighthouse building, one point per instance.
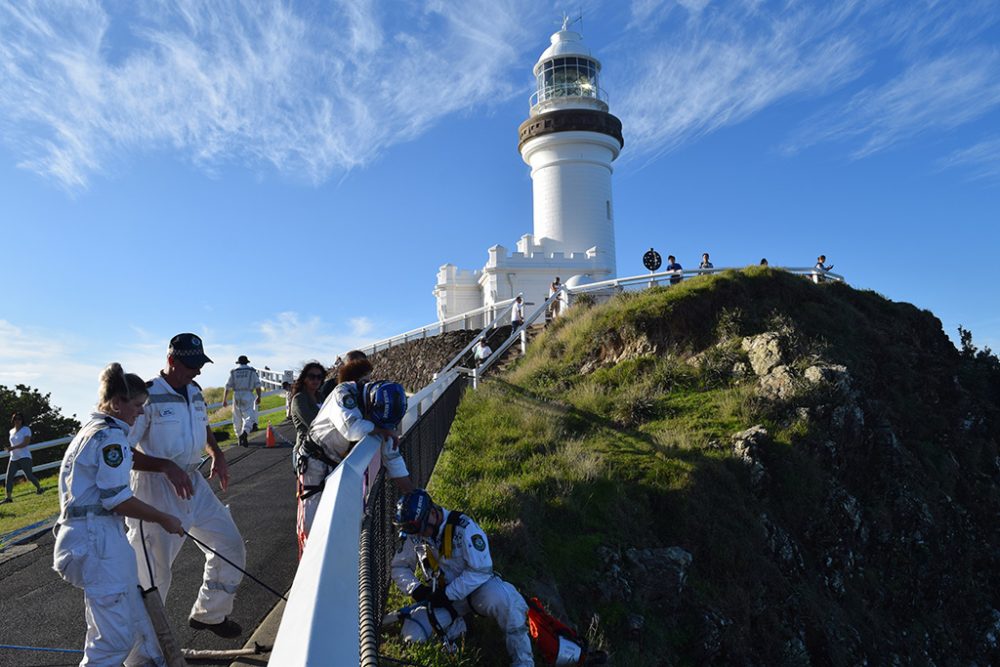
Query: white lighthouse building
point(569, 140)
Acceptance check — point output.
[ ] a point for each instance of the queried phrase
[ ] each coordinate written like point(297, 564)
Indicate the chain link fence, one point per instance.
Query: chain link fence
point(421, 446)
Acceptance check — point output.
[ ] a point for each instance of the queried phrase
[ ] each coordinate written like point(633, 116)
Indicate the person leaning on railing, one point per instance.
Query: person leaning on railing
point(355, 409)
point(20, 455)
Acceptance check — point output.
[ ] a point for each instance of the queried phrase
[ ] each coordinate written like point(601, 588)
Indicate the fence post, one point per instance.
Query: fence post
point(524, 340)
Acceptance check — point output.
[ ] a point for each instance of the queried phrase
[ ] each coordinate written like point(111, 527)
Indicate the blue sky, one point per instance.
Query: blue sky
point(285, 178)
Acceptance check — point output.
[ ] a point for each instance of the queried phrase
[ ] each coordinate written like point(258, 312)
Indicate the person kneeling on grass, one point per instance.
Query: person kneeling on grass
point(453, 554)
point(91, 550)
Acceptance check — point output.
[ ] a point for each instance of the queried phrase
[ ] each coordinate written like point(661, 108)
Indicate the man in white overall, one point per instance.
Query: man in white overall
point(174, 425)
point(243, 381)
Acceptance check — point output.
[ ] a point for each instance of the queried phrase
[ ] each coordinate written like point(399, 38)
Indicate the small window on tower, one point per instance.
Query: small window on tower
point(607, 205)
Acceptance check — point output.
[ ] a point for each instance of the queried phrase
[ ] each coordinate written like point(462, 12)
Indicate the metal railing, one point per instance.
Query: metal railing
point(322, 622)
point(467, 320)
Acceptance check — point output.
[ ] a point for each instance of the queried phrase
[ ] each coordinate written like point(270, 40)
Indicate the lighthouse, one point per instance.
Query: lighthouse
point(569, 141)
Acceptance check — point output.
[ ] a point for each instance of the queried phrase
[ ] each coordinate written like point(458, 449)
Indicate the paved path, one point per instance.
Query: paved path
point(40, 609)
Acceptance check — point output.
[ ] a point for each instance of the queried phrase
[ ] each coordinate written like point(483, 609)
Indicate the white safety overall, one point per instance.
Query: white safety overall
point(91, 550)
point(339, 424)
point(243, 382)
point(173, 428)
point(470, 582)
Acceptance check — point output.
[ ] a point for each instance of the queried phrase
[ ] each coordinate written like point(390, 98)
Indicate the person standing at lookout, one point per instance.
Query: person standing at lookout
point(673, 265)
point(517, 312)
point(20, 457)
point(243, 382)
point(174, 426)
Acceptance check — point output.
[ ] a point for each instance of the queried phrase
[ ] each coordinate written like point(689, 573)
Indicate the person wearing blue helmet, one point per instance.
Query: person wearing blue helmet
point(453, 555)
point(354, 409)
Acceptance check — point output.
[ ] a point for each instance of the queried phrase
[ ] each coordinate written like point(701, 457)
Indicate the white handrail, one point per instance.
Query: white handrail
point(664, 276)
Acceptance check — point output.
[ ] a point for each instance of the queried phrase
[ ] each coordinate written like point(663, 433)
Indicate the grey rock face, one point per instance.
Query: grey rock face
point(765, 352)
point(746, 446)
point(779, 384)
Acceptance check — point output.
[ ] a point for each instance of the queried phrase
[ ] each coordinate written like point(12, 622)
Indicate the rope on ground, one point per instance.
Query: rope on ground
point(15, 647)
point(205, 546)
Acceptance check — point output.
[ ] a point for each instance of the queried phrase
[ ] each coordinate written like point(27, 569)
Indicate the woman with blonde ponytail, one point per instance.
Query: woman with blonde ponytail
point(91, 550)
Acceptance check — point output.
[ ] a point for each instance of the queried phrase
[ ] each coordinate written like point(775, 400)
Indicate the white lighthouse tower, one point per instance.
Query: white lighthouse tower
point(569, 140)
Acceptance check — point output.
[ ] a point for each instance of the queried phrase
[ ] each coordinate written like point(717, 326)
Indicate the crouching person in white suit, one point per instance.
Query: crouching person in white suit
point(91, 550)
point(453, 555)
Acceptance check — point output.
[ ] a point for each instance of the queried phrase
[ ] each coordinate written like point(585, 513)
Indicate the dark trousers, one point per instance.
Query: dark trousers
point(24, 465)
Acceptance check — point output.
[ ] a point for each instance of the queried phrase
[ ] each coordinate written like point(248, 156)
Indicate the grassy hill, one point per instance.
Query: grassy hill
point(618, 475)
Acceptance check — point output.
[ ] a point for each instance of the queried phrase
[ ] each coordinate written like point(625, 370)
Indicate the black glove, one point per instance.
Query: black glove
point(439, 599)
point(420, 593)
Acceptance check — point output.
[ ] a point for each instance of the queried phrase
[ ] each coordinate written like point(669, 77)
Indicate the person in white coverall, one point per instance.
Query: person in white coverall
point(91, 550)
point(340, 424)
point(453, 553)
point(243, 382)
point(174, 425)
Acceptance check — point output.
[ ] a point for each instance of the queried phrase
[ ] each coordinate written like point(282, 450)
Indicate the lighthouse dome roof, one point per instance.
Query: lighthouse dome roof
point(566, 43)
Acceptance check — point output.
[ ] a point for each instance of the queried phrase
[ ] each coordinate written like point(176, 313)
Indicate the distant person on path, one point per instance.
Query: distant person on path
point(517, 312)
point(174, 425)
point(705, 264)
point(356, 408)
point(287, 388)
point(462, 577)
point(20, 456)
point(557, 304)
point(91, 550)
point(243, 382)
point(672, 265)
point(305, 401)
point(819, 271)
point(482, 352)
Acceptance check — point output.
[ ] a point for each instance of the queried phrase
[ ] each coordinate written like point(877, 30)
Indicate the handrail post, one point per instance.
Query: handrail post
point(475, 378)
point(524, 340)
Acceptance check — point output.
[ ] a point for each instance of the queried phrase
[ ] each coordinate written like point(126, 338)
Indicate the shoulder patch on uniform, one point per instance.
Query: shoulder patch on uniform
point(347, 400)
point(479, 543)
point(113, 455)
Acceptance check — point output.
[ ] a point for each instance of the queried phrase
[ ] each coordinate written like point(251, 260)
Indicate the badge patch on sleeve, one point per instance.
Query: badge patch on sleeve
point(348, 401)
point(113, 455)
point(479, 543)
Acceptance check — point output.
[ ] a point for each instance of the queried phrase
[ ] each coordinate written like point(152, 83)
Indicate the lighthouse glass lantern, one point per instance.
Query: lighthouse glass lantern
point(567, 76)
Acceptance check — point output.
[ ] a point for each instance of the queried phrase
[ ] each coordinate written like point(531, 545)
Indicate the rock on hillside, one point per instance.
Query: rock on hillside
point(747, 469)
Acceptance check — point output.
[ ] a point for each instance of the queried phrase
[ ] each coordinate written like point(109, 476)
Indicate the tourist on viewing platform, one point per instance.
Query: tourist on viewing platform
point(672, 265)
point(91, 550)
point(174, 425)
point(305, 401)
point(243, 382)
point(482, 352)
point(354, 409)
point(705, 264)
point(763, 261)
point(454, 553)
point(517, 312)
point(554, 308)
point(20, 456)
point(819, 271)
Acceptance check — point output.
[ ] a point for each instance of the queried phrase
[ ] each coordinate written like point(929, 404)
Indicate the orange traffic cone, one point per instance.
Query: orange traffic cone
point(270, 436)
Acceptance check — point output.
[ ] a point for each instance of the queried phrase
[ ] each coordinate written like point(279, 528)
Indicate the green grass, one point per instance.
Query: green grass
point(29, 508)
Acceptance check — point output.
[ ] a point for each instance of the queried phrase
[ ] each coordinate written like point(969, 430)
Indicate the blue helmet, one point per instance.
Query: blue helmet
point(412, 511)
point(386, 403)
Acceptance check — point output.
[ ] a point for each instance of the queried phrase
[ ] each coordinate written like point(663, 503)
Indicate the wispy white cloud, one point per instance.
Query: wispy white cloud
point(982, 160)
point(937, 94)
point(308, 89)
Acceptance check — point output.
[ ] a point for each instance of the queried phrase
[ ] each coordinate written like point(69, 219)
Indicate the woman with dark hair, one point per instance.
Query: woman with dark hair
point(91, 550)
point(20, 457)
point(305, 399)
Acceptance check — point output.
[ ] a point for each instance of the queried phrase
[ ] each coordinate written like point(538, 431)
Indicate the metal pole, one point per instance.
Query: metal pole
point(524, 340)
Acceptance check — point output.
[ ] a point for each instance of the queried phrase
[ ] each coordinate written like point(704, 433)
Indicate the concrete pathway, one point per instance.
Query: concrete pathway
point(40, 609)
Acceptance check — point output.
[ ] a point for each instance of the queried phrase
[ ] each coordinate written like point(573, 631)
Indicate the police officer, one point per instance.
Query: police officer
point(454, 553)
point(174, 425)
point(91, 550)
point(243, 381)
point(354, 409)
